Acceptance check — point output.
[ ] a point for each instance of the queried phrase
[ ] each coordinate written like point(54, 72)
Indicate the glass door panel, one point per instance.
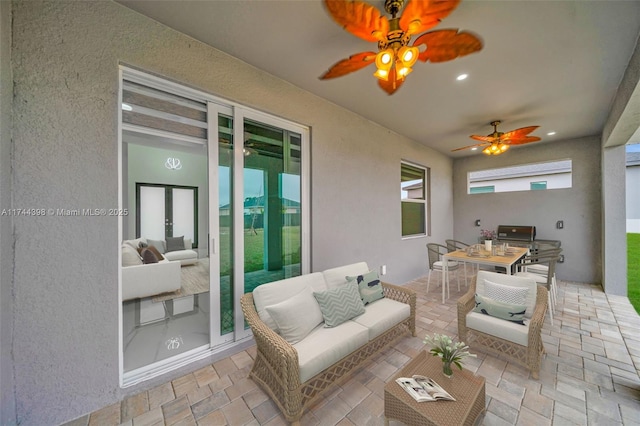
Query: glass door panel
point(183, 213)
point(272, 200)
point(152, 212)
point(167, 318)
point(225, 218)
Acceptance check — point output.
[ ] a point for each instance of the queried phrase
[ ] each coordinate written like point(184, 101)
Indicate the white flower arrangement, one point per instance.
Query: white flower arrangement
point(451, 353)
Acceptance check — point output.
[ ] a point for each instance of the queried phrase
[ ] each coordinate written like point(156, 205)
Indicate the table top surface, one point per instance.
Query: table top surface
point(464, 386)
point(485, 257)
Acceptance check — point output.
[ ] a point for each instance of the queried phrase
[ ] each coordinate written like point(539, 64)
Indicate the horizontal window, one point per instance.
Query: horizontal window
point(526, 177)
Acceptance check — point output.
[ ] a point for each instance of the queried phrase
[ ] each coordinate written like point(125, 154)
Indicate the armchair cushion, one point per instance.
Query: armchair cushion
point(513, 281)
point(493, 326)
point(505, 293)
point(495, 308)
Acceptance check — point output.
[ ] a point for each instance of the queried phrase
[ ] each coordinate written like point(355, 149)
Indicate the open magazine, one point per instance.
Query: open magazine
point(423, 388)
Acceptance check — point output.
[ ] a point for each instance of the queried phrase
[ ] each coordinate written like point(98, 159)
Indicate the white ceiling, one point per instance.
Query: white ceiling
point(556, 64)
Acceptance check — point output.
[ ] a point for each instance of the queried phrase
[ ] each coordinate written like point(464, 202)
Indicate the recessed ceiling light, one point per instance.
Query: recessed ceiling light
point(551, 133)
point(462, 77)
point(474, 148)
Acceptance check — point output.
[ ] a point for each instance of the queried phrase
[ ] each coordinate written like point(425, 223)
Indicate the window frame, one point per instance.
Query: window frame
point(424, 200)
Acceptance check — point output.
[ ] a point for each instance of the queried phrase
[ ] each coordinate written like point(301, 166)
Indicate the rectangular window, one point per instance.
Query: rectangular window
point(525, 177)
point(414, 196)
point(535, 186)
point(482, 189)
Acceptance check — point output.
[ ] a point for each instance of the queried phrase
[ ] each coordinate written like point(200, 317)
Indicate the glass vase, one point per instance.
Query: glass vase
point(446, 369)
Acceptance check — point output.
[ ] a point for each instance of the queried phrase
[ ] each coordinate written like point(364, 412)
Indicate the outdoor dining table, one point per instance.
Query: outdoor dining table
point(486, 258)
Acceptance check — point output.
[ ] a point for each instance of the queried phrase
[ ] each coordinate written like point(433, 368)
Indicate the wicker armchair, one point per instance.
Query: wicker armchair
point(529, 356)
point(276, 367)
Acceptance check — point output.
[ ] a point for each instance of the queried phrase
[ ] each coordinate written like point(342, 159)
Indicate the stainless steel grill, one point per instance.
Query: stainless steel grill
point(509, 233)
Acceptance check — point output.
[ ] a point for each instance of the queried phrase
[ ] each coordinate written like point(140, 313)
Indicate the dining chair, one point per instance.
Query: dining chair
point(436, 264)
point(541, 266)
point(453, 245)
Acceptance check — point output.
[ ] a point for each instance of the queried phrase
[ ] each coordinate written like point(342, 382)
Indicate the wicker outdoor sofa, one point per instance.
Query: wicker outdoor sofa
point(279, 365)
point(522, 344)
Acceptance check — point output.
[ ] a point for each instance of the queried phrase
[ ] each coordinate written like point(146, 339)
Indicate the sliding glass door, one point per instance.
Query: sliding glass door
point(221, 192)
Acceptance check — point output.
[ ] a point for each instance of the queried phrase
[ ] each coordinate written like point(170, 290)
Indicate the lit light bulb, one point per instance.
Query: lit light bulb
point(385, 58)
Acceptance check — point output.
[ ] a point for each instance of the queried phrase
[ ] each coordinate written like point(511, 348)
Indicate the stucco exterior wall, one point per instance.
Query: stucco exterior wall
point(7, 401)
point(578, 206)
point(65, 64)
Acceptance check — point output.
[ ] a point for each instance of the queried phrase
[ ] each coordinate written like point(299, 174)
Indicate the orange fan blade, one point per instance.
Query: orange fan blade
point(421, 15)
point(487, 139)
point(467, 147)
point(445, 45)
point(390, 86)
point(359, 18)
point(522, 141)
point(346, 66)
point(520, 133)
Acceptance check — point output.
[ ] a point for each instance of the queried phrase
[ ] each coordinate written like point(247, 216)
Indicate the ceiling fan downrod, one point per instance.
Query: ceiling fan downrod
point(393, 7)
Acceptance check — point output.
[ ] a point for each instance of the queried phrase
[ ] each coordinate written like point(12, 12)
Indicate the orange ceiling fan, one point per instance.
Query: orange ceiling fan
point(396, 57)
point(498, 142)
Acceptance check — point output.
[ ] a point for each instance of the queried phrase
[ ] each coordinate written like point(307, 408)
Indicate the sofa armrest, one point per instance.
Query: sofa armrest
point(465, 304)
point(150, 279)
point(404, 295)
point(279, 354)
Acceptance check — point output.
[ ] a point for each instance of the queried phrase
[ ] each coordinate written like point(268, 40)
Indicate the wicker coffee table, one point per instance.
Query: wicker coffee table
point(464, 386)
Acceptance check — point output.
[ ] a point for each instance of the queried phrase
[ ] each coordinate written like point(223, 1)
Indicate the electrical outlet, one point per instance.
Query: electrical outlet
point(383, 270)
point(561, 258)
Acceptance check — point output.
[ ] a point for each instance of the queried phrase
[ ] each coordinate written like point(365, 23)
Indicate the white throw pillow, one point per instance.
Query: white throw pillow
point(296, 316)
point(130, 256)
point(506, 293)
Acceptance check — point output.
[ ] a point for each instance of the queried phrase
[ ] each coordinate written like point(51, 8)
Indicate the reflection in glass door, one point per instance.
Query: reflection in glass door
point(272, 204)
point(248, 214)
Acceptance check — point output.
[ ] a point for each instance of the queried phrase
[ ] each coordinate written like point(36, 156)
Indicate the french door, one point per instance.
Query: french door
point(166, 211)
point(241, 194)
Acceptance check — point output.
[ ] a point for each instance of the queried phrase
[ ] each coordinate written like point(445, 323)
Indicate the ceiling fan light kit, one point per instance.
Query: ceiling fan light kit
point(396, 57)
point(498, 142)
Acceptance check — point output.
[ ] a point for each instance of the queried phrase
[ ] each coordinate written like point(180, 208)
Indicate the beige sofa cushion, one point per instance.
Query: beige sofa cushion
point(506, 330)
point(296, 316)
point(324, 347)
point(382, 315)
point(338, 276)
point(279, 291)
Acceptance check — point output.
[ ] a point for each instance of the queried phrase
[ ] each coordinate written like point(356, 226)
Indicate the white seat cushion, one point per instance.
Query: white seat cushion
point(279, 291)
point(338, 276)
point(381, 315)
point(324, 347)
point(537, 277)
point(506, 330)
point(452, 265)
point(181, 255)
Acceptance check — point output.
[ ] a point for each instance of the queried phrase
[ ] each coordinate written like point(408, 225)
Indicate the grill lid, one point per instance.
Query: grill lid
point(516, 233)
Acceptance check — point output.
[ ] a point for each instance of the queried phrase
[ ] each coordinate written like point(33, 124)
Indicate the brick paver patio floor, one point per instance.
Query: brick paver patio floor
point(589, 375)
